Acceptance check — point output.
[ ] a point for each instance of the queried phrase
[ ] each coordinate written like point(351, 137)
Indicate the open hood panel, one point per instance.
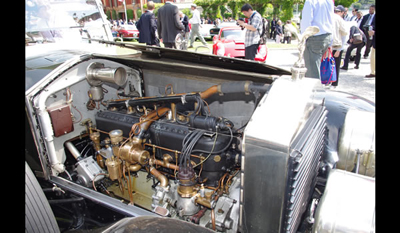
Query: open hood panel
point(150, 52)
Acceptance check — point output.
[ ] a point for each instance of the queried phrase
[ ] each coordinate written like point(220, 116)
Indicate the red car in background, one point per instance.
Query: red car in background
point(230, 43)
point(128, 32)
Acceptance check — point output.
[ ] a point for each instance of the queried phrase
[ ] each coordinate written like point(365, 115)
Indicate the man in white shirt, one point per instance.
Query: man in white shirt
point(196, 25)
point(317, 13)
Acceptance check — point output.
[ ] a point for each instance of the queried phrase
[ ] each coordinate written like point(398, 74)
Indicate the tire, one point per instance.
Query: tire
point(38, 214)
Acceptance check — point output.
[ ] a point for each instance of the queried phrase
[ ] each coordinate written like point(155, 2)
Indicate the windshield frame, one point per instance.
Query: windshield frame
point(65, 21)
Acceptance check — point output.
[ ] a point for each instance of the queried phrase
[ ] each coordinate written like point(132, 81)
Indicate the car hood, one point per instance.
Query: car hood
point(203, 59)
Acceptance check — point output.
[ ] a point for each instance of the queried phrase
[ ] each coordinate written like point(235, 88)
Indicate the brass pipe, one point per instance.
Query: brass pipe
point(134, 167)
point(164, 164)
point(160, 177)
point(129, 186)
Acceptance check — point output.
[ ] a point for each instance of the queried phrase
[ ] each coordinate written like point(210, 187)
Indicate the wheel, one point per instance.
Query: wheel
point(38, 214)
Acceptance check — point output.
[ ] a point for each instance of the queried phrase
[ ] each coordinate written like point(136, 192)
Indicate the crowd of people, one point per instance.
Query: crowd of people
point(332, 34)
point(322, 13)
point(169, 23)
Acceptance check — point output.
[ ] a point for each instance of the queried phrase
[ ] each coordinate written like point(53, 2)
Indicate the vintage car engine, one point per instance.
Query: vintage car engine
point(123, 135)
point(166, 154)
point(219, 153)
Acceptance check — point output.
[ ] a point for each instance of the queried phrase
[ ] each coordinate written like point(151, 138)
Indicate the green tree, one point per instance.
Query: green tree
point(129, 12)
point(234, 6)
point(187, 12)
point(345, 3)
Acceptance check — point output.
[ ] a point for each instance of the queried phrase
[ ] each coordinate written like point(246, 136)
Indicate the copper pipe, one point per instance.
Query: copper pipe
point(160, 177)
point(209, 92)
point(154, 115)
point(213, 219)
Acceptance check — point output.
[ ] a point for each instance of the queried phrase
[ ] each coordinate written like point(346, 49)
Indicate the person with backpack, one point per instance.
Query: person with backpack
point(254, 31)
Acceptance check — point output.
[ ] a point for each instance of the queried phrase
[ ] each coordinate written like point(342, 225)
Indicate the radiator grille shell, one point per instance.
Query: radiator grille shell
point(303, 166)
point(282, 147)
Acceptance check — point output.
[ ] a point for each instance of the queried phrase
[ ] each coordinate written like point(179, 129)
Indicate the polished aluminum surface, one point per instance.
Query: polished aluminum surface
point(274, 125)
point(281, 112)
point(348, 204)
point(97, 73)
point(356, 147)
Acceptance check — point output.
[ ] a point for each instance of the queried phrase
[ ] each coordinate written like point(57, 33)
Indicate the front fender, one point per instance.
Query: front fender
point(338, 104)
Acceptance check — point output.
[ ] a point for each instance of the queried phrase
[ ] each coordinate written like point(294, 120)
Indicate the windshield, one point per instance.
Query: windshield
point(233, 34)
point(63, 20)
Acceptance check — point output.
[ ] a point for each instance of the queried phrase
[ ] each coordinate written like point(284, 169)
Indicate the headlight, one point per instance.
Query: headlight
point(221, 49)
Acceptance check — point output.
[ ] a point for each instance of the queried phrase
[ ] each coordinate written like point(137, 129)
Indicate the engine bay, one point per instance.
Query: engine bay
point(199, 144)
point(151, 143)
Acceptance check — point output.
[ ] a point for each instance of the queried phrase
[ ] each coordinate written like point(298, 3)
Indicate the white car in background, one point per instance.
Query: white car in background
point(205, 31)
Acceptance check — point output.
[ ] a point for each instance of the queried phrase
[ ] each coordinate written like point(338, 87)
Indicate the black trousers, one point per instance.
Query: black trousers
point(288, 39)
point(170, 45)
point(358, 54)
point(250, 51)
point(368, 46)
point(338, 60)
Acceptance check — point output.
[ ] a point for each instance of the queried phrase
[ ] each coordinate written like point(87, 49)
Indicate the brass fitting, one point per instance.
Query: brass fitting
point(95, 137)
point(187, 183)
point(204, 202)
point(133, 153)
point(115, 138)
point(134, 167)
point(114, 168)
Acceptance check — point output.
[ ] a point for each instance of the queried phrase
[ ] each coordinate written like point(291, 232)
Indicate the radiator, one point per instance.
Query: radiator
point(303, 163)
point(283, 144)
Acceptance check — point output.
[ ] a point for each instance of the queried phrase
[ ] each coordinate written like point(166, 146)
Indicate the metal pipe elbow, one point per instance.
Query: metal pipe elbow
point(160, 177)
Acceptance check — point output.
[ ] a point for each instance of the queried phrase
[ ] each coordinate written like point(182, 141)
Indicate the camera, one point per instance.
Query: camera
point(238, 23)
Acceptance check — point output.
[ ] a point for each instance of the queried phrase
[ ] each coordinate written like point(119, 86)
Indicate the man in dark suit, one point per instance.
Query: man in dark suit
point(367, 21)
point(169, 24)
point(147, 26)
point(273, 26)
